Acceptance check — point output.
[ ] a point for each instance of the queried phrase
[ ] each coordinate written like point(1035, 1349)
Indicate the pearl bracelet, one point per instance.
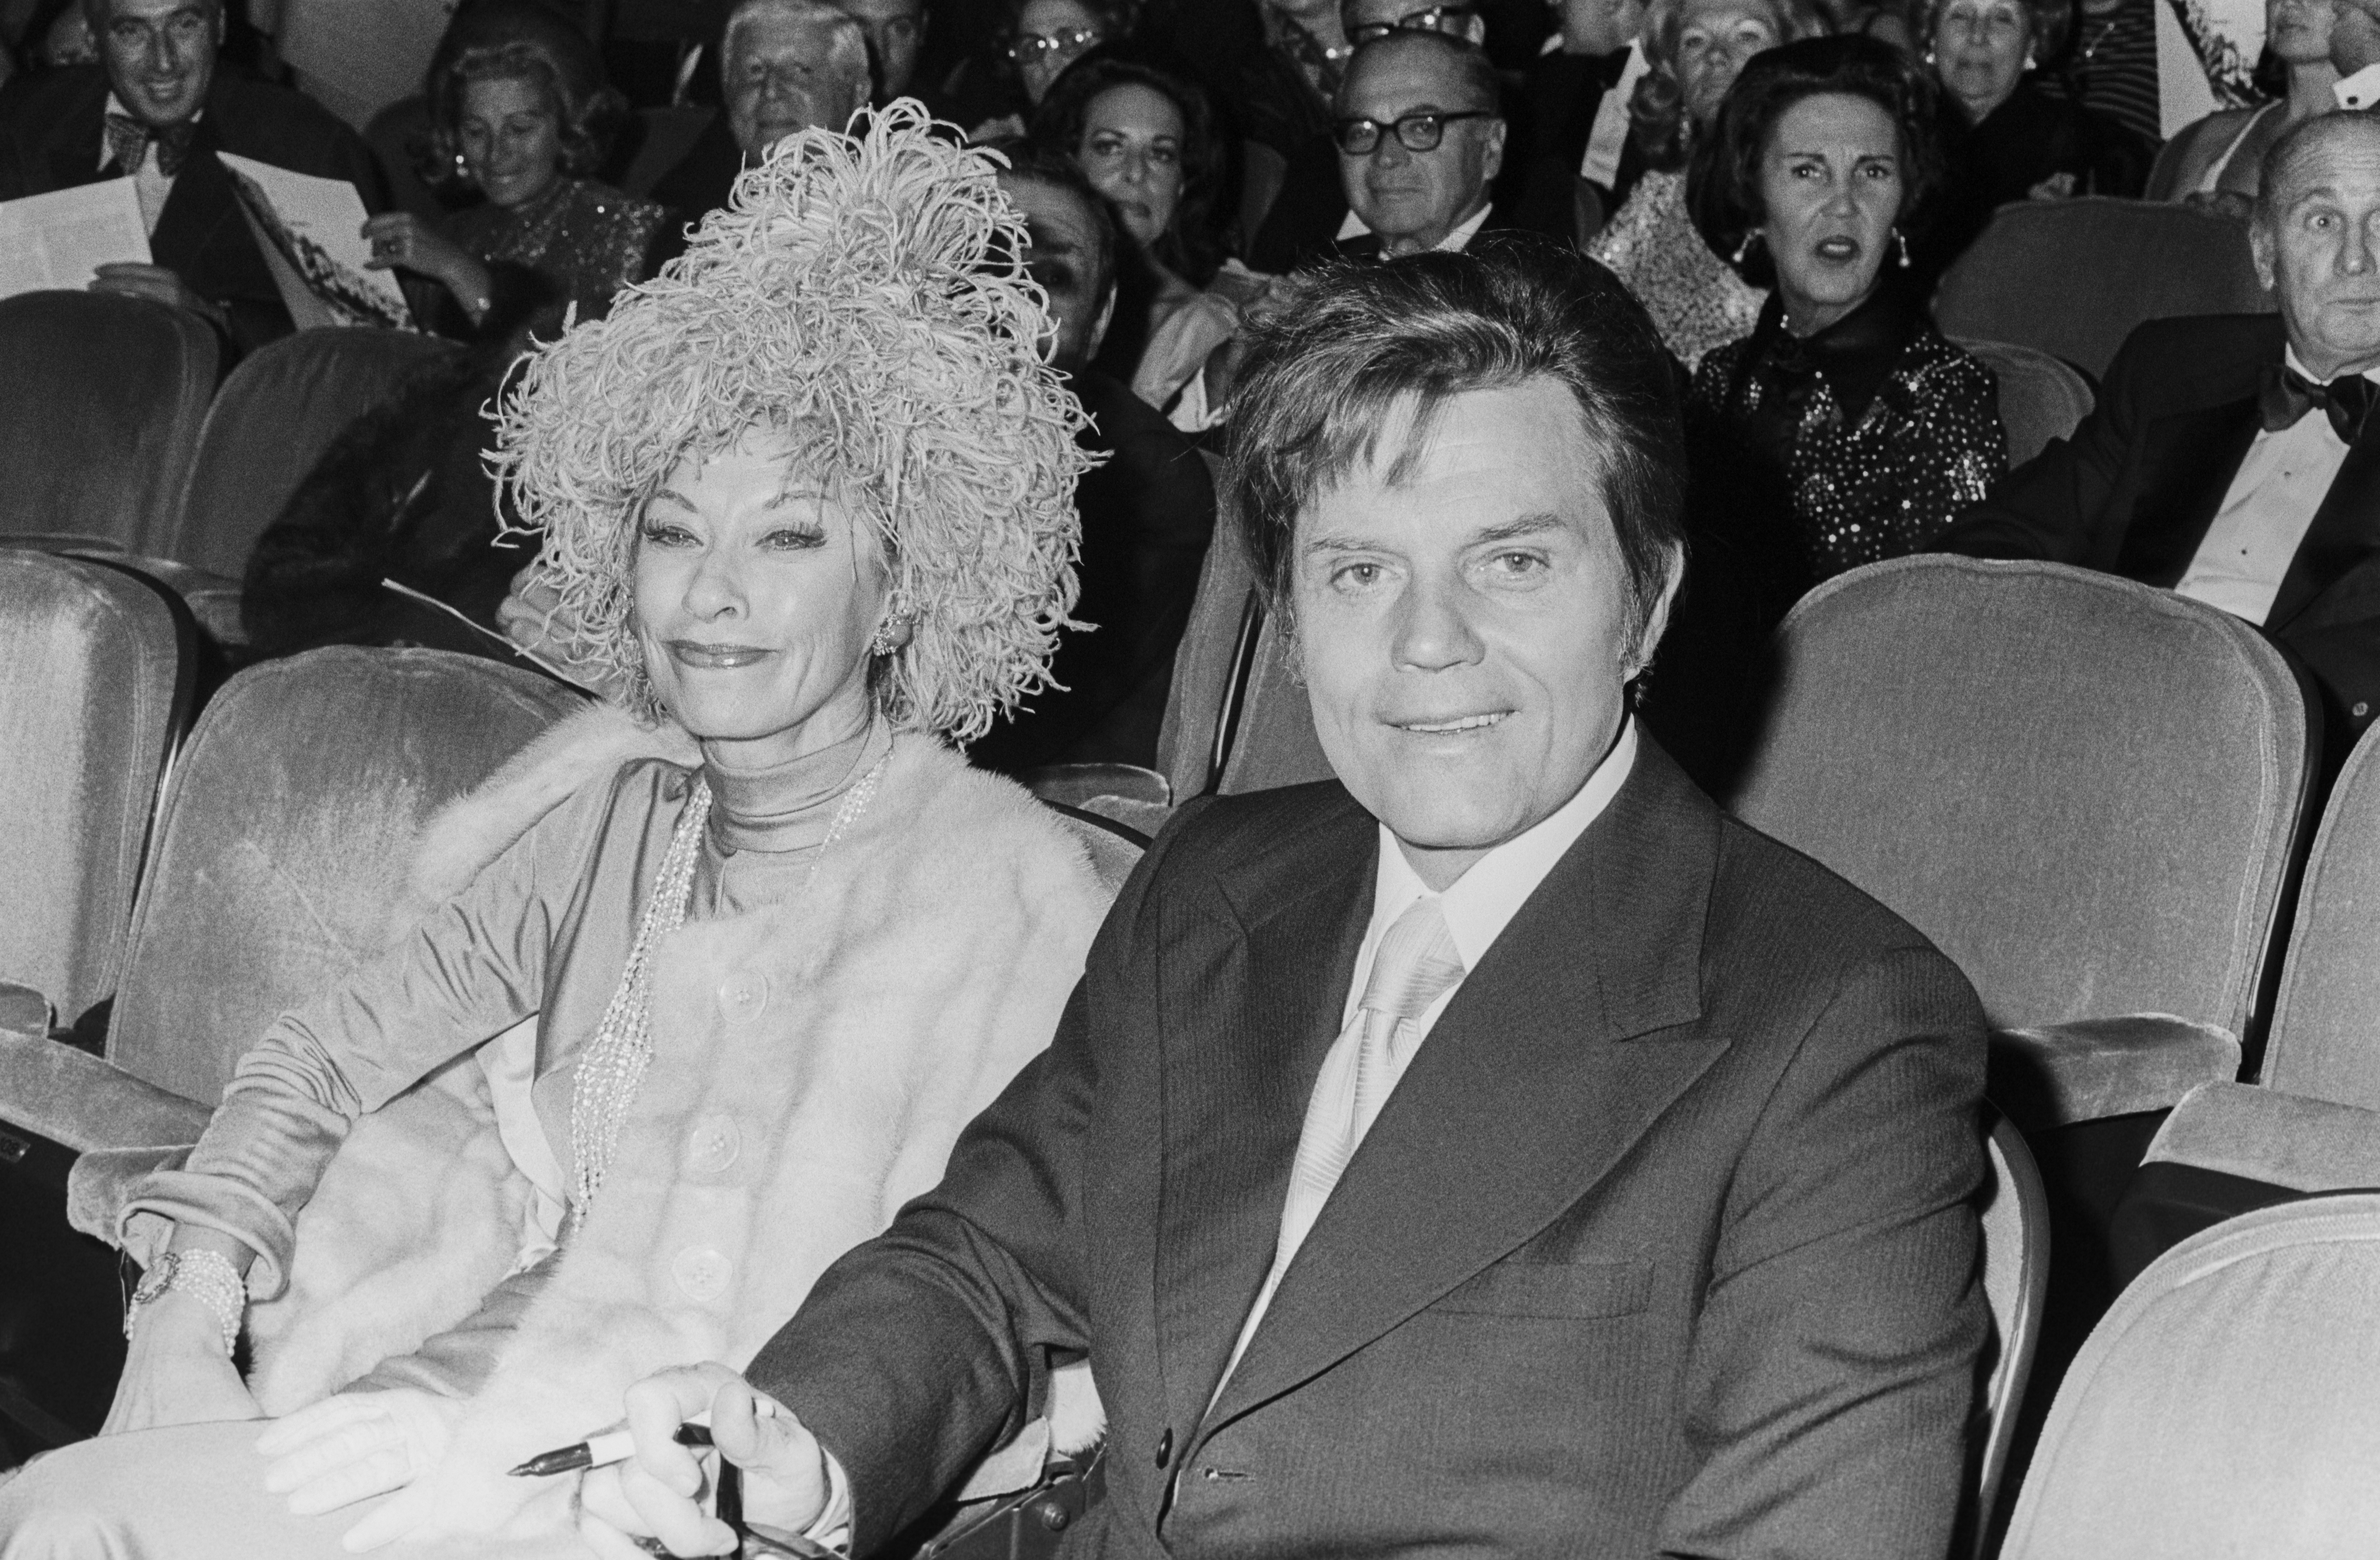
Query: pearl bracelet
point(207, 1277)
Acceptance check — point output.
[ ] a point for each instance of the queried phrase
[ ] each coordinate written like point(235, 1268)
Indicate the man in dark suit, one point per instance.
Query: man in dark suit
point(156, 111)
point(1147, 509)
point(2232, 458)
point(1498, 1151)
point(784, 65)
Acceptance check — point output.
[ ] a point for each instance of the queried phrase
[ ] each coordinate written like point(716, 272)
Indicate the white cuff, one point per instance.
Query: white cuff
point(2359, 91)
point(832, 1528)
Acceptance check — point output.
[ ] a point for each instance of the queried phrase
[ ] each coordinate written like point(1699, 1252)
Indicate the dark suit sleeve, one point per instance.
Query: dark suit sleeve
point(2050, 507)
point(917, 1351)
point(1833, 1364)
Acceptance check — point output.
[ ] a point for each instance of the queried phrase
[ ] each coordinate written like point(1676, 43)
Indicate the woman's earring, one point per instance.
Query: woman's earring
point(1902, 238)
point(888, 639)
point(1744, 249)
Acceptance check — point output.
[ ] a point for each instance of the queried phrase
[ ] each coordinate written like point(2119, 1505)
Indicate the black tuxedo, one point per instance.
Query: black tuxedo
point(1662, 1243)
point(51, 137)
point(2133, 491)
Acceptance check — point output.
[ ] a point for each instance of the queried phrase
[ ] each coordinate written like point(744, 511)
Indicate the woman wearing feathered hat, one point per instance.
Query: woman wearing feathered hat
point(807, 495)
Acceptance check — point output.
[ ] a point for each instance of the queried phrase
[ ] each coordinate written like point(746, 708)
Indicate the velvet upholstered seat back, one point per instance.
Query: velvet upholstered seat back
point(287, 837)
point(2326, 1037)
point(94, 684)
point(2084, 790)
point(100, 399)
point(275, 416)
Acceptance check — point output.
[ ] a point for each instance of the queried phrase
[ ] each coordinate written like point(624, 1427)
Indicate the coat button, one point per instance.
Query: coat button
point(744, 995)
point(1165, 1448)
point(701, 1271)
point(713, 1144)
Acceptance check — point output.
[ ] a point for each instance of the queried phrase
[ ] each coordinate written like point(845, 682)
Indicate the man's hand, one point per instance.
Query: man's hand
point(175, 1372)
point(132, 278)
point(656, 1493)
point(355, 1445)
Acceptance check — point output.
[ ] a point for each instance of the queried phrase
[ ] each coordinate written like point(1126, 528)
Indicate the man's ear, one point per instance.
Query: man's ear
point(1493, 164)
point(1657, 618)
point(1099, 328)
point(2261, 254)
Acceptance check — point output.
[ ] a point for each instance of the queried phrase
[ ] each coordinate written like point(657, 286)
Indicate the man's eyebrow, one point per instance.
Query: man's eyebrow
point(1536, 525)
point(1338, 544)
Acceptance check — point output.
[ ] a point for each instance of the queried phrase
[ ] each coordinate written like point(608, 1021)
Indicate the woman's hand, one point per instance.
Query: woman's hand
point(175, 1370)
point(656, 1493)
point(355, 1445)
point(400, 240)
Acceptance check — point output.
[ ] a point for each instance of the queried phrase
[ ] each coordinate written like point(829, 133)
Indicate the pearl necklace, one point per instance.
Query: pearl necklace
point(613, 1068)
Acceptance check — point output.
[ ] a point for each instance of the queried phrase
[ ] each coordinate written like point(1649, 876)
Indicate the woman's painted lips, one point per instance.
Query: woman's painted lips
point(715, 656)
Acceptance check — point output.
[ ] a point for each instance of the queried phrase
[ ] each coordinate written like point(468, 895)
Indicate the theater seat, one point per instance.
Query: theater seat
point(2072, 278)
point(2313, 1124)
point(276, 414)
point(2224, 1405)
point(2041, 397)
point(2084, 790)
point(100, 410)
point(95, 675)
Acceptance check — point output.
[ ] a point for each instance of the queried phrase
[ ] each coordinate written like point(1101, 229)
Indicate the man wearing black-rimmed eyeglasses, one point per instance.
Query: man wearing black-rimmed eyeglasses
point(1420, 140)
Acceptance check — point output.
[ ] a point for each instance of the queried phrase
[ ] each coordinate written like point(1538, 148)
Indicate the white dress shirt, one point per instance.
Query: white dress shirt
point(149, 182)
point(1456, 237)
point(2360, 90)
point(1477, 907)
point(2266, 512)
point(1608, 138)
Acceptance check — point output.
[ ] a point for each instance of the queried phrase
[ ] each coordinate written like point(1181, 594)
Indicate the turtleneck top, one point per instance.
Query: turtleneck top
point(768, 824)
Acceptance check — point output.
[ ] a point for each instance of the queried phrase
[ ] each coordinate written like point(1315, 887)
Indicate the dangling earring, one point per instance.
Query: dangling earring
point(1902, 238)
point(1744, 249)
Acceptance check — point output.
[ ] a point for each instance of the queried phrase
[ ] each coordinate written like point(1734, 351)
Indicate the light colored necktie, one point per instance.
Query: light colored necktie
point(1414, 965)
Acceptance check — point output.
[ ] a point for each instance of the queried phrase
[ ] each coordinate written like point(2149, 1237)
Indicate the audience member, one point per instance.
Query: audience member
point(1147, 509)
point(897, 31)
point(2007, 138)
point(157, 110)
point(2355, 54)
point(784, 65)
point(1845, 430)
point(1581, 159)
point(2201, 469)
point(1043, 37)
point(1420, 140)
point(2113, 66)
point(1693, 49)
point(522, 123)
point(812, 602)
point(1145, 139)
point(1629, 1212)
point(67, 39)
point(1282, 97)
point(404, 494)
point(2215, 159)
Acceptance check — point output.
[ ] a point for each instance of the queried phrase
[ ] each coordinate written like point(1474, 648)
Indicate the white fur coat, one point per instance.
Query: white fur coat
point(924, 965)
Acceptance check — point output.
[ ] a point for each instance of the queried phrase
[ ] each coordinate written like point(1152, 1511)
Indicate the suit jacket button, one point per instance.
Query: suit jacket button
point(1165, 1448)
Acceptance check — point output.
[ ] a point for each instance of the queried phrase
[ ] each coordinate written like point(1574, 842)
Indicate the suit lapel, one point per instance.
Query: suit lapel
point(2345, 531)
point(1538, 1077)
point(2192, 456)
point(1253, 1001)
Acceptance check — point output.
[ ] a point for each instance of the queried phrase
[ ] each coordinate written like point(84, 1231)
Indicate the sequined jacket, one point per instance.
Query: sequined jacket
point(577, 244)
point(1696, 298)
point(1850, 492)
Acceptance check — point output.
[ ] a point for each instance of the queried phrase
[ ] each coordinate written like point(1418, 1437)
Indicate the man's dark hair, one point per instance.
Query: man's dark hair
point(1723, 182)
point(1323, 375)
point(1047, 166)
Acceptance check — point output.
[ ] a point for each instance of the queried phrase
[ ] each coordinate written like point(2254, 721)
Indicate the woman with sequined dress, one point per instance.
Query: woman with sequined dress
point(1693, 50)
point(754, 948)
point(521, 122)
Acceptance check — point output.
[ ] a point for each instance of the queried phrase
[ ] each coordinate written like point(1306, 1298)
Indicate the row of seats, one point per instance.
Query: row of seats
point(118, 441)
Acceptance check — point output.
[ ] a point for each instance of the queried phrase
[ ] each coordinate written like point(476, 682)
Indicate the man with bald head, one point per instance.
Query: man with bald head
point(784, 65)
point(2233, 458)
point(1421, 140)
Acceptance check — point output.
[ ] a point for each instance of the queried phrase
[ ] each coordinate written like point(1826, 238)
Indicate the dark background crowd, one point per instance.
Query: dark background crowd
point(1785, 184)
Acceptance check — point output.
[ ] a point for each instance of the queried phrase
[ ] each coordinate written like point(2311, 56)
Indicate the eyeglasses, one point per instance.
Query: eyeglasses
point(1437, 18)
point(1418, 132)
point(1032, 46)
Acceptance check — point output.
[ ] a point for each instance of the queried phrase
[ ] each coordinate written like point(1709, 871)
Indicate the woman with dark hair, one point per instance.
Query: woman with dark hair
point(1038, 40)
point(2005, 136)
point(1145, 138)
point(1845, 429)
point(1693, 49)
point(522, 121)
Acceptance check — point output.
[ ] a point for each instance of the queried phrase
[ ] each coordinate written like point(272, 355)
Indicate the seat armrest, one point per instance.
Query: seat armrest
point(2090, 1069)
point(1077, 785)
point(80, 1101)
point(2264, 1135)
point(24, 1011)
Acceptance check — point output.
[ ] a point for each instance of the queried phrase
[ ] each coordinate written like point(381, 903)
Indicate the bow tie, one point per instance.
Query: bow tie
point(2286, 395)
point(129, 139)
